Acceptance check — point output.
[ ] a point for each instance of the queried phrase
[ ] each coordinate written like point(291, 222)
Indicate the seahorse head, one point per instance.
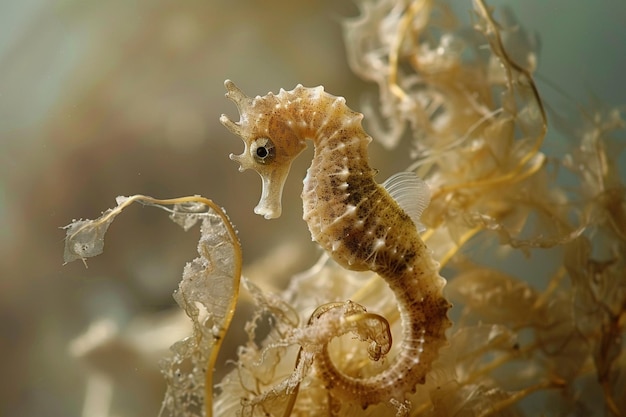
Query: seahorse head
point(270, 139)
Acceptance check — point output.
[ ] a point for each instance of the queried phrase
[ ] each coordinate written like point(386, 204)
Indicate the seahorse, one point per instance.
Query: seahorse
point(353, 218)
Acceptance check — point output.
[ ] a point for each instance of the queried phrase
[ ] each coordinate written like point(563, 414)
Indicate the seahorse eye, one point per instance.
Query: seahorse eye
point(263, 150)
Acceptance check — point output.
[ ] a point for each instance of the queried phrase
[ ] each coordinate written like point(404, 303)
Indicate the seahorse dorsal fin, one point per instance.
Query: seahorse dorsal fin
point(411, 193)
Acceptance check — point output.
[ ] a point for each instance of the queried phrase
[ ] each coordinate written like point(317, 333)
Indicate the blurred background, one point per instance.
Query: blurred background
point(100, 99)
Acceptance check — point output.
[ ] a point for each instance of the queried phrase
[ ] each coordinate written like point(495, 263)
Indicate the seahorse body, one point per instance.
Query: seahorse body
point(350, 216)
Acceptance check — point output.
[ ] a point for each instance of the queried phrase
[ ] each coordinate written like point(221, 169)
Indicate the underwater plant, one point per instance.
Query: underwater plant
point(532, 244)
point(207, 293)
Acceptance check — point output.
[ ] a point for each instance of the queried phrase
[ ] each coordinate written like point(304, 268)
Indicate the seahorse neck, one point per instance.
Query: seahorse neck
point(343, 156)
point(341, 147)
point(347, 138)
point(326, 120)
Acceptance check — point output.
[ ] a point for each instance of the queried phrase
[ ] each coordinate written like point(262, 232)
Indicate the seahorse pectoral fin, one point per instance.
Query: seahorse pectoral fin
point(270, 205)
point(411, 193)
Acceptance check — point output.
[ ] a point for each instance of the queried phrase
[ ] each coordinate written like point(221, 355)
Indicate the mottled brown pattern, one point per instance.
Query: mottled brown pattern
point(354, 219)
